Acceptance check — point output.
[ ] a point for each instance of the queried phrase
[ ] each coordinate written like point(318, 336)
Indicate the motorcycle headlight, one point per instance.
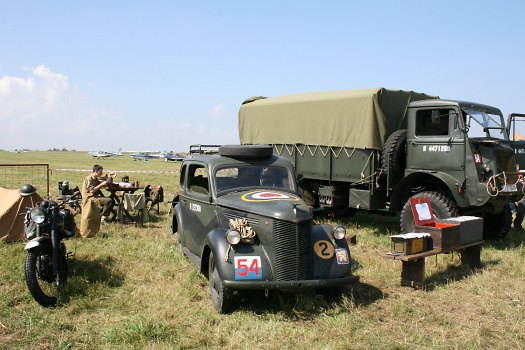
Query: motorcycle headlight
point(38, 215)
point(233, 237)
point(339, 232)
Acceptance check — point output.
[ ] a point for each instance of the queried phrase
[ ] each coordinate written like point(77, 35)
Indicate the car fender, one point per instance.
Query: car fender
point(251, 259)
point(39, 241)
point(177, 219)
point(331, 257)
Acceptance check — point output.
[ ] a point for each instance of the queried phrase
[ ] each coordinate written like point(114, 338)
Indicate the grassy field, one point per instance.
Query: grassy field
point(130, 287)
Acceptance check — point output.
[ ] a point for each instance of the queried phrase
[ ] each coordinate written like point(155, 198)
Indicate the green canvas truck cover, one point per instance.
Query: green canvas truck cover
point(346, 118)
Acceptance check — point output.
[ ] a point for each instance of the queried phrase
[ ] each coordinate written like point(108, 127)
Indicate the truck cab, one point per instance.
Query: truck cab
point(461, 149)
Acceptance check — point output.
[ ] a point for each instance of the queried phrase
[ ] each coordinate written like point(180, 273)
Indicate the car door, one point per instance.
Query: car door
point(436, 143)
point(197, 212)
point(516, 131)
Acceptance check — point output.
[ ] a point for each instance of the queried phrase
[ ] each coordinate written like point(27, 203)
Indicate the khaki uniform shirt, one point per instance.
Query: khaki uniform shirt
point(90, 182)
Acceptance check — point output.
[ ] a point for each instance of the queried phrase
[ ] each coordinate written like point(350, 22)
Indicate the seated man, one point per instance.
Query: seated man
point(91, 189)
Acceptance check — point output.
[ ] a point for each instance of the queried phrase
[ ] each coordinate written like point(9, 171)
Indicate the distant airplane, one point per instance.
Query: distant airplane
point(145, 156)
point(104, 154)
point(170, 157)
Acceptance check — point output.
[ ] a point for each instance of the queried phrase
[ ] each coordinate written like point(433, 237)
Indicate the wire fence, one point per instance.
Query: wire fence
point(13, 176)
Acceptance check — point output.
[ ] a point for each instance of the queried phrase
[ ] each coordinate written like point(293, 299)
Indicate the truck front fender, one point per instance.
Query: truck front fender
point(434, 180)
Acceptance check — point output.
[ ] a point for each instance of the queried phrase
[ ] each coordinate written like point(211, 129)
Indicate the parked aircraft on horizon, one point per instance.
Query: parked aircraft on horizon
point(167, 156)
point(104, 154)
point(145, 156)
point(170, 157)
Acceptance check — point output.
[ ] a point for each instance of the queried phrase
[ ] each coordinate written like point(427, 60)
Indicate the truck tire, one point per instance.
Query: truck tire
point(395, 151)
point(497, 226)
point(442, 208)
point(246, 151)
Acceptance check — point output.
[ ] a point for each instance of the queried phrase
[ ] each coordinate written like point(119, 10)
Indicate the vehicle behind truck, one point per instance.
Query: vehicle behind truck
point(374, 149)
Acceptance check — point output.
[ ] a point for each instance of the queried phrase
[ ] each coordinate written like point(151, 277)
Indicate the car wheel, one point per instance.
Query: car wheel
point(221, 297)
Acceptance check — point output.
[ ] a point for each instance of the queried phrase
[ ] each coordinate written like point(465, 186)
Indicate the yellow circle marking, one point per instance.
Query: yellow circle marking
point(324, 249)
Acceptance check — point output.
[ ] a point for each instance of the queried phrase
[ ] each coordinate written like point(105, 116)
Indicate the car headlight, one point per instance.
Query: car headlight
point(38, 215)
point(339, 232)
point(233, 237)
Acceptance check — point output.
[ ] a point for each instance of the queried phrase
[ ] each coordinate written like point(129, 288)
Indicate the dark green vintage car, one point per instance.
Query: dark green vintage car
point(241, 221)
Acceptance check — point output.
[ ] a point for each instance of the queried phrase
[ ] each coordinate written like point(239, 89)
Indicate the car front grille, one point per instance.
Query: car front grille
point(292, 250)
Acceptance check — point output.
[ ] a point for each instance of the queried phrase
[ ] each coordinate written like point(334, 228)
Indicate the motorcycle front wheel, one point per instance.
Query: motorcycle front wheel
point(40, 278)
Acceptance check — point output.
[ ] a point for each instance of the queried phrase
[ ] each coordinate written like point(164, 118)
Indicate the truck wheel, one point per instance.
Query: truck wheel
point(246, 151)
point(442, 208)
point(395, 151)
point(221, 297)
point(498, 225)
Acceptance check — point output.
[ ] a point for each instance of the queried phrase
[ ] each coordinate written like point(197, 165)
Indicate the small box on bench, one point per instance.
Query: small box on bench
point(444, 235)
point(409, 243)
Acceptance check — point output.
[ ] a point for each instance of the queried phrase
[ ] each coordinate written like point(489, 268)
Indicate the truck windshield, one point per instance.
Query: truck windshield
point(253, 176)
point(483, 125)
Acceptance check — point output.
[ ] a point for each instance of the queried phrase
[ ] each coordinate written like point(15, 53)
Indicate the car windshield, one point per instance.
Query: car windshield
point(253, 176)
point(483, 125)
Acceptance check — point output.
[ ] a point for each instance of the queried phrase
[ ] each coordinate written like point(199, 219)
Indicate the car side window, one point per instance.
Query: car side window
point(433, 122)
point(182, 176)
point(198, 179)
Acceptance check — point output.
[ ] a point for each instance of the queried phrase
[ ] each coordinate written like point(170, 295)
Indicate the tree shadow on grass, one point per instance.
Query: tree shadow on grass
point(514, 239)
point(454, 273)
point(84, 274)
point(378, 223)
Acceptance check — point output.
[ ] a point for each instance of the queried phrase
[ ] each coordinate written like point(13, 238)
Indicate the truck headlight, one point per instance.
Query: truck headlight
point(38, 215)
point(233, 237)
point(339, 232)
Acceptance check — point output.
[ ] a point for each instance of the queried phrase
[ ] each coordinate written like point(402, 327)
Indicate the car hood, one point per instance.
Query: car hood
point(276, 204)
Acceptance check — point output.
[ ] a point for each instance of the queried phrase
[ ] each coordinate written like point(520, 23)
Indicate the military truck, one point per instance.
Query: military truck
point(373, 149)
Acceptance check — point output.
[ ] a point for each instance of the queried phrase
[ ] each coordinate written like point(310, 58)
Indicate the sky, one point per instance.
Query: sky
point(163, 75)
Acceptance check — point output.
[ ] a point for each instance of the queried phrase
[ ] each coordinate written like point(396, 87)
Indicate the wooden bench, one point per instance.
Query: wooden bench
point(413, 268)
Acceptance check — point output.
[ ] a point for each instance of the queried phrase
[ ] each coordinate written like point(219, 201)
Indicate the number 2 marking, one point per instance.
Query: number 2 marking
point(324, 249)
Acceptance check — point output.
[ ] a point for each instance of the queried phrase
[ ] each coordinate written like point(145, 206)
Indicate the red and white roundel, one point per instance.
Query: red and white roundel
point(266, 196)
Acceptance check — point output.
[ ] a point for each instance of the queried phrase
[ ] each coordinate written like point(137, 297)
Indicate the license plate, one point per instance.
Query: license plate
point(509, 188)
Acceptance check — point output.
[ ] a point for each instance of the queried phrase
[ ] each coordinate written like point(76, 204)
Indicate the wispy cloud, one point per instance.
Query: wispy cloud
point(43, 111)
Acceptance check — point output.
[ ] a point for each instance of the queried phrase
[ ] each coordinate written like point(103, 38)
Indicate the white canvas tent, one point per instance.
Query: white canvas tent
point(11, 205)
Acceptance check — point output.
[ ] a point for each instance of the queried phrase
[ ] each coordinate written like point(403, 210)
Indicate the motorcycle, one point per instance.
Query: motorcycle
point(46, 225)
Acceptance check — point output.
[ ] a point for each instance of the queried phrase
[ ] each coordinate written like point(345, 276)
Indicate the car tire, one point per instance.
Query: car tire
point(246, 151)
point(442, 208)
point(221, 297)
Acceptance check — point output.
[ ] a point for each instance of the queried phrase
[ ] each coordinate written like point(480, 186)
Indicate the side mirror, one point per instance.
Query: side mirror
point(300, 178)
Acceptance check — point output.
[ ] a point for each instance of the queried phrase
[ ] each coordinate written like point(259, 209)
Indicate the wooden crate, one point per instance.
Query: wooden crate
point(442, 236)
